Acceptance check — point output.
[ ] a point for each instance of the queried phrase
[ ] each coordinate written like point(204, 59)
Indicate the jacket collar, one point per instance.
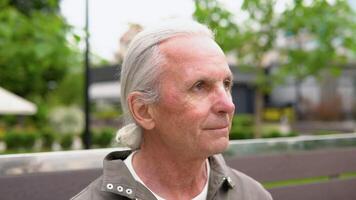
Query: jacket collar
point(220, 175)
point(118, 179)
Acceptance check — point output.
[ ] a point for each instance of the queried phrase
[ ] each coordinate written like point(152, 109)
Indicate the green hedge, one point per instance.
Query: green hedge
point(66, 141)
point(20, 140)
point(48, 137)
point(276, 133)
point(103, 138)
point(241, 132)
point(242, 127)
point(243, 120)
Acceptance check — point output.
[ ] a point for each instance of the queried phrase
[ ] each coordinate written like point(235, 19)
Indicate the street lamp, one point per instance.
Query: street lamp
point(87, 134)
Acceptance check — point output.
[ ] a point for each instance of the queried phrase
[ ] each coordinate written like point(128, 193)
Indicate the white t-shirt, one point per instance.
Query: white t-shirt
point(202, 196)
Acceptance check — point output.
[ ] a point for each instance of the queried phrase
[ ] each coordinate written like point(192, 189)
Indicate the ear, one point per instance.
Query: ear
point(140, 111)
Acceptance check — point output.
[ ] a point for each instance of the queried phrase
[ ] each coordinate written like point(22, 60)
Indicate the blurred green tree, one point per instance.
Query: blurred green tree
point(26, 7)
point(322, 34)
point(321, 38)
point(37, 50)
point(34, 50)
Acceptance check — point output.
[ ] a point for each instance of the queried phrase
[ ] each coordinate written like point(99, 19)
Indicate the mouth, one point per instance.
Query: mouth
point(218, 131)
point(218, 128)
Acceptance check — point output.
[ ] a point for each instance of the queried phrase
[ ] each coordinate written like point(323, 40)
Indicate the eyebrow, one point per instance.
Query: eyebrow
point(212, 80)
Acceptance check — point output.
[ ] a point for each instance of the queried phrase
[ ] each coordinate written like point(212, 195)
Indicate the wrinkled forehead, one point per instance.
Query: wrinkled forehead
point(190, 47)
point(193, 55)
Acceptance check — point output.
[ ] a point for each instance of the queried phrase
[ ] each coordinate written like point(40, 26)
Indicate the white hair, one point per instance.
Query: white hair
point(141, 68)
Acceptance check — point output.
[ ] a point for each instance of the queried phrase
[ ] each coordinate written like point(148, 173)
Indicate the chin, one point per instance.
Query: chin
point(219, 146)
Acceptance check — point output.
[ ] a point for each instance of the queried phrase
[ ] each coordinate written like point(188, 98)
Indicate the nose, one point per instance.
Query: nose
point(223, 102)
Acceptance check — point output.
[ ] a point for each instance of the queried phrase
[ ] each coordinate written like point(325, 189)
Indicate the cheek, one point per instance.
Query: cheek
point(173, 104)
point(181, 111)
point(176, 102)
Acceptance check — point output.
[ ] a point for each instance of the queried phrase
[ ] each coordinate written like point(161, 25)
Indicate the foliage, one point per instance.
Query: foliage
point(48, 137)
point(319, 46)
point(66, 141)
point(242, 120)
point(321, 36)
point(37, 53)
point(8, 120)
point(272, 134)
point(26, 7)
point(304, 39)
point(106, 111)
point(277, 133)
point(103, 138)
point(318, 35)
point(20, 139)
point(66, 119)
point(220, 20)
point(241, 132)
point(242, 127)
point(37, 50)
point(278, 113)
point(70, 91)
point(326, 132)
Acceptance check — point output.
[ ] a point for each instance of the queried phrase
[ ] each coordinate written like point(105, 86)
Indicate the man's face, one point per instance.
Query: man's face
point(195, 109)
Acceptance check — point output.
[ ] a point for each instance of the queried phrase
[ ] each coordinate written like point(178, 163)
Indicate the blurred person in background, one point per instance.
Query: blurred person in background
point(175, 87)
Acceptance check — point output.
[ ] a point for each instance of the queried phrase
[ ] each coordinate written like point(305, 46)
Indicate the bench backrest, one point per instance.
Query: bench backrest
point(327, 167)
point(331, 163)
point(47, 185)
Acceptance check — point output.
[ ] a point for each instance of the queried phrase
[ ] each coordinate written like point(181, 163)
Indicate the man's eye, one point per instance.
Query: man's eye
point(199, 85)
point(228, 84)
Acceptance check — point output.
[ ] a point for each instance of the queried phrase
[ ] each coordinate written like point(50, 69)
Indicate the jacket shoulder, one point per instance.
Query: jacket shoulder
point(86, 193)
point(249, 187)
point(93, 192)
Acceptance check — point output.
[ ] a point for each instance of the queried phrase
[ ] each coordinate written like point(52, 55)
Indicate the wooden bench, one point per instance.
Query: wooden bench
point(327, 167)
point(264, 168)
point(47, 185)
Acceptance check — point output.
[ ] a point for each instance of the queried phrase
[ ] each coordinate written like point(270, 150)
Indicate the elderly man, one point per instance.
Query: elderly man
point(175, 86)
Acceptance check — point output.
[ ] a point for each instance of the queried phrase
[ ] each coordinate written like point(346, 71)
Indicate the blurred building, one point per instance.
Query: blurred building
point(105, 84)
point(105, 87)
point(332, 98)
point(327, 98)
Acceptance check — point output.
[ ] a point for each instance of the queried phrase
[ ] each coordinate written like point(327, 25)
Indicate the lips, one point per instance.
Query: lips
point(217, 127)
point(219, 131)
point(212, 129)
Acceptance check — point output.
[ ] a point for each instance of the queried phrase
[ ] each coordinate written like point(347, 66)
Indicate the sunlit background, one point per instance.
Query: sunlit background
point(294, 67)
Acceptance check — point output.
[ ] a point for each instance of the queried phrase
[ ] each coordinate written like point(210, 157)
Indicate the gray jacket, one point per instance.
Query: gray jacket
point(118, 183)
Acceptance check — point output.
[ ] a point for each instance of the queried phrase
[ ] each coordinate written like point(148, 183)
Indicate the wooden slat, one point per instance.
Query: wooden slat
point(333, 190)
point(45, 186)
point(296, 165)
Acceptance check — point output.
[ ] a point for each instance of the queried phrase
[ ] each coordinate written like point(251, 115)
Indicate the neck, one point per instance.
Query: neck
point(169, 174)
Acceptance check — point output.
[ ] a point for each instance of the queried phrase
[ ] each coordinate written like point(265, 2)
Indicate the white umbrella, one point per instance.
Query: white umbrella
point(13, 104)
